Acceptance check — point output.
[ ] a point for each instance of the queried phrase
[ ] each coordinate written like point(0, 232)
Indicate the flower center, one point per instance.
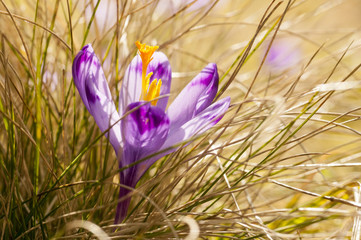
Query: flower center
point(150, 90)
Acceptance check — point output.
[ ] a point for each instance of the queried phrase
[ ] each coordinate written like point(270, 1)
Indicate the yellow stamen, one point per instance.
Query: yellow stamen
point(145, 84)
point(145, 52)
point(157, 92)
point(153, 91)
point(149, 92)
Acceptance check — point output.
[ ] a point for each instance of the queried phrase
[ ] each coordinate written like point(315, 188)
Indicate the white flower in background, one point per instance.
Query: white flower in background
point(105, 16)
point(169, 7)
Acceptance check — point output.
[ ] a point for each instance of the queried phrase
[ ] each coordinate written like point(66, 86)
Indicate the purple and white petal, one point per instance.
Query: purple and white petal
point(161, 69)
point(123, 204)
point(195, 97)
point(104, 113)
point(132, 82)
point(144, 129)
point(127, 178)
point(199, 124)
point(93, 88)
point(82, 66)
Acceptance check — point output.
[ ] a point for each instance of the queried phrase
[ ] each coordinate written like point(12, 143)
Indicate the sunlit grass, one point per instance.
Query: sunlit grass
point(283, 163)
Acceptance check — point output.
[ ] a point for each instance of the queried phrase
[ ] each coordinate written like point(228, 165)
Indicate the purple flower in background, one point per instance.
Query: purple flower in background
point(284, 55)
point(147, 127)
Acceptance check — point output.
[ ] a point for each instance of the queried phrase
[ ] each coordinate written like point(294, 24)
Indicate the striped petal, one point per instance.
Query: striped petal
point(195, 97)
point(132, 82)
point(199, 124)
point(196, 126)
point(93, 88)
point(144, 129)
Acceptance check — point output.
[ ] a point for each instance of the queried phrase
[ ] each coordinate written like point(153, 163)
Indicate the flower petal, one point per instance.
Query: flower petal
point(132, 83)
point(144, 129)
point(195, 97)
point(161, 69)
point(127, 178)
point(123, 204)
point(196, 126)
point(104, 113)
point(94, 91)
point(199, 124)
point(81, 67)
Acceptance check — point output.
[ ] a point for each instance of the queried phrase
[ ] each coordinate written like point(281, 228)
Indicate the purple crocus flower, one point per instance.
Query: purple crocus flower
point(146, 127)
point(284, 55)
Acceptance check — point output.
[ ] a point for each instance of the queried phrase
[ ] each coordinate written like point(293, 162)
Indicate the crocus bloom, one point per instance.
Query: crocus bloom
point(147, 126)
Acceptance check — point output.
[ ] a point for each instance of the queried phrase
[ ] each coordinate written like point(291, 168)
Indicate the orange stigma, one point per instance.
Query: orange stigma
point(151, 90)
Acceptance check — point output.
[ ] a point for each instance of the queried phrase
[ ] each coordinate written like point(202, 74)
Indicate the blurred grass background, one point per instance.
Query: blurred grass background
point(284, 163)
